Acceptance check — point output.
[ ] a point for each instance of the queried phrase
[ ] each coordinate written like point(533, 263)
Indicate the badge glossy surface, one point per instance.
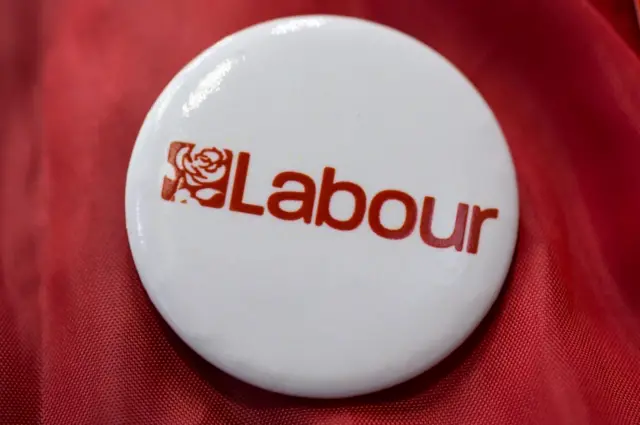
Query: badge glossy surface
point(321, 206)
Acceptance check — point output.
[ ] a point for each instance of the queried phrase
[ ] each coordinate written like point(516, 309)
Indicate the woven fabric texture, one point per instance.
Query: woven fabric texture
point(80, 342)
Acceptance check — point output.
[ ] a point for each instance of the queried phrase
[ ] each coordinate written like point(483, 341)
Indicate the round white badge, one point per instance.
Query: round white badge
point(321, 206)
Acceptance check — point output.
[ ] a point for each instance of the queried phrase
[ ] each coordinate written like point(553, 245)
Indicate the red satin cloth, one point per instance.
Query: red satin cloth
point(80, 342)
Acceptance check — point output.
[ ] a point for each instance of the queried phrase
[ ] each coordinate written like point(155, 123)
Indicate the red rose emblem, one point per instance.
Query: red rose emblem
point(206, 167)
point(201, 176)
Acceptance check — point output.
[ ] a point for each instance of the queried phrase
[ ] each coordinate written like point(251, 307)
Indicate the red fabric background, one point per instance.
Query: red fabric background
point(80, 342)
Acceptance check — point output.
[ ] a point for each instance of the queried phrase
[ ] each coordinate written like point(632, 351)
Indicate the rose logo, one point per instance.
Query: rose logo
point(206, 167)
point(200, 176)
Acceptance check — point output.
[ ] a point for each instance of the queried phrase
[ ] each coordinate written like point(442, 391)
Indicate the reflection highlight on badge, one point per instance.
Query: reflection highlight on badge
point(297, 24)
point(209, 84)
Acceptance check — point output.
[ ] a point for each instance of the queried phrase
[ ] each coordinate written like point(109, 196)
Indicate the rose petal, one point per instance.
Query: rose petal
point(190, 168)
point(191, 181)
point(210, 177)
point(212, 154)
point(180, 155)
point(211, 168)
point(203, 160)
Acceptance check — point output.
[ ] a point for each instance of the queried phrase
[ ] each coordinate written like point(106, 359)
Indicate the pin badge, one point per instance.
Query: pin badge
point(321, 206)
